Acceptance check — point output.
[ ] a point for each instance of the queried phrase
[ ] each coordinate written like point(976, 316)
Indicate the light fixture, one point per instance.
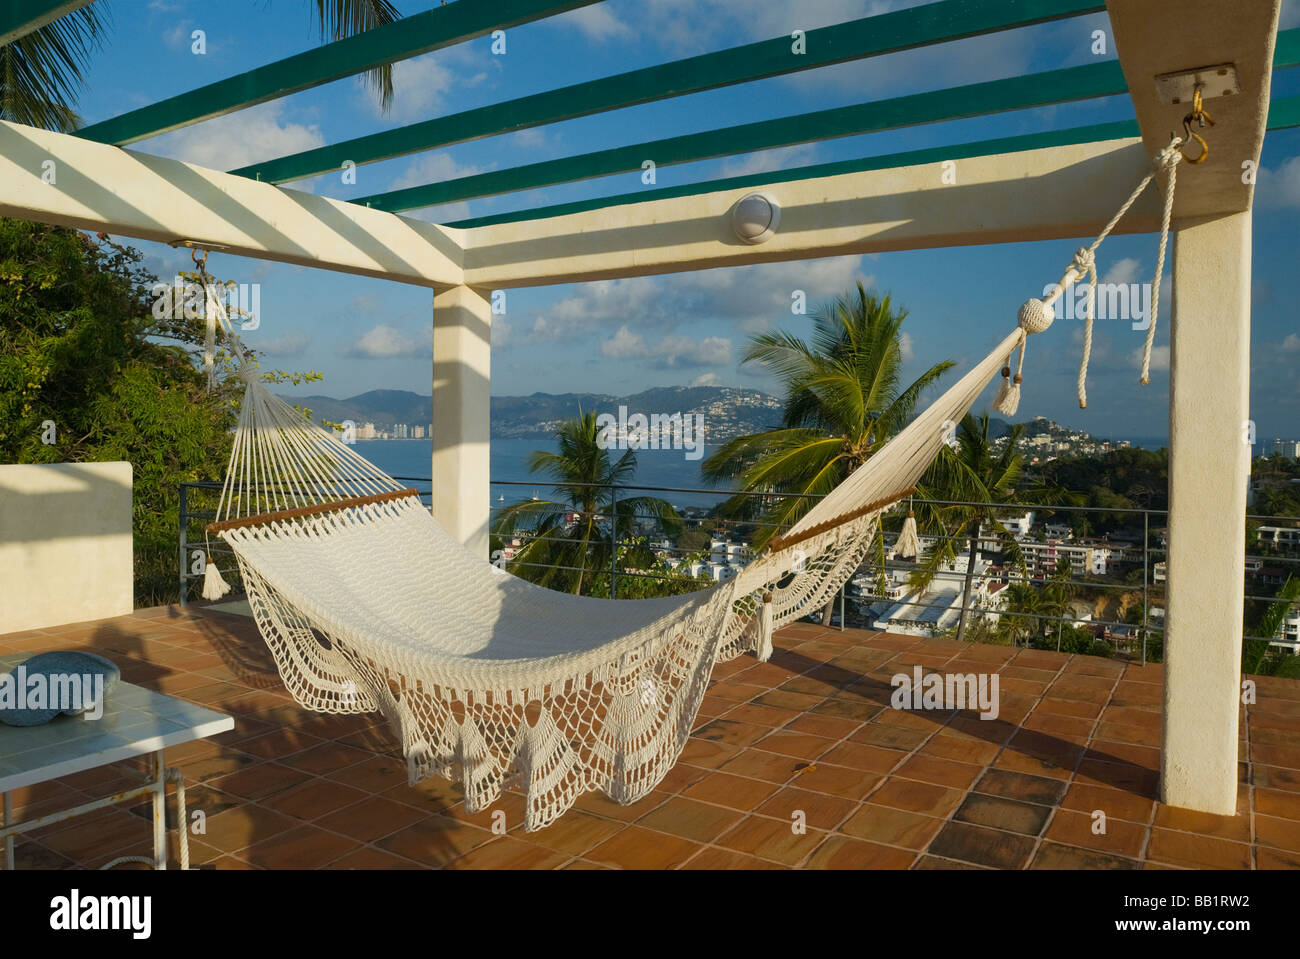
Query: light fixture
point(755, 217)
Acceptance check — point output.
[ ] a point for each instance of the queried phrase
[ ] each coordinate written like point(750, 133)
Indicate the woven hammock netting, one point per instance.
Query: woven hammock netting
point(497, 683)
point(490, 680)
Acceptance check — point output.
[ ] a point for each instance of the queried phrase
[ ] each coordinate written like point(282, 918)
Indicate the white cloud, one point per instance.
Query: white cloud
point(753, 298)
point(1122, 271)
point(1279, 188)
point(1159, 358)
point(802, 154)
point(432, 168)
point(239, 139)
point(706, 379)
point(500, 333)
point(423, 86)
point(671, 352)
point(286, 344)
point(420, 85)
point(623, 345)
point(384, 342)
point(596, 22)
point(1292, 343)
point(682, 351)
point(178, 36)
point(905, 345)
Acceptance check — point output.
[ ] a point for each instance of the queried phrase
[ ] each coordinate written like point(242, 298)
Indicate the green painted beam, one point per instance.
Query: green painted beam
point(1282, 114)
point(976, 99)
point(867, 37)
point(412, 36)
point(20, 17)
point(1286, 51)
point(1031, 141)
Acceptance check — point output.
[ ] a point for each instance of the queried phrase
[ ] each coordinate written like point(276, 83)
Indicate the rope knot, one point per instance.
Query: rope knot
point(1035, 316)
point(1168, 158)
point(1084, 262)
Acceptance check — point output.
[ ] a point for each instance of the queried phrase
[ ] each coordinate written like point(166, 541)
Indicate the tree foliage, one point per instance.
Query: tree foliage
point(844, 399)
point(81, 351)
point(568, 540)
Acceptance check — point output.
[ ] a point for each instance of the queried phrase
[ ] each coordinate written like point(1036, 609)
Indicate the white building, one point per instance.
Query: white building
point(1286, 537)
point(939, 607)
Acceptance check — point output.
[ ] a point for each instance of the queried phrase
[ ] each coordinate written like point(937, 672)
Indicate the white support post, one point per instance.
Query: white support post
point(462, 377)
point(1209, 469)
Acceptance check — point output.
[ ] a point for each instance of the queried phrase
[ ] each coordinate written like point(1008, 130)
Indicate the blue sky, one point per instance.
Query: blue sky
point(627, 335)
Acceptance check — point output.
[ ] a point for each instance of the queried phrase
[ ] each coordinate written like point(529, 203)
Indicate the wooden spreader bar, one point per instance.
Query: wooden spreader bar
point(782, 542)
point(259, 519)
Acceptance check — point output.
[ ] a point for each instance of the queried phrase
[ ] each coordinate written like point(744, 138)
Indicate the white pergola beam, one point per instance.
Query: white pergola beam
point(56, 178)
point(1156, 37)
point(1043, 194)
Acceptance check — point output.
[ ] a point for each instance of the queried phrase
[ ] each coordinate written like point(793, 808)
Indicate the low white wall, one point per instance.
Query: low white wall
point(65, 543)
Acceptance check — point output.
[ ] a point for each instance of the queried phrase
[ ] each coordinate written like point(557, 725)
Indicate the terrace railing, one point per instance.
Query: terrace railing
point(1135, 571)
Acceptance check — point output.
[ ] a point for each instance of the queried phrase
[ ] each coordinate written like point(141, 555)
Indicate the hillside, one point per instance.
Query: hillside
point(727, 411)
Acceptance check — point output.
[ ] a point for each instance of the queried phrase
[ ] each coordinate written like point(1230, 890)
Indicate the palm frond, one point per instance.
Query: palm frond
point(340, 19)
point(41, 72)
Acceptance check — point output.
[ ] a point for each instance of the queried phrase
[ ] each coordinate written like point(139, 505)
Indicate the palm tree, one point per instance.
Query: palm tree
point(41, 72)
point(963, 480)
point(1029, 608)
point(573, 534)
point(843, 400)
point(1257, 655)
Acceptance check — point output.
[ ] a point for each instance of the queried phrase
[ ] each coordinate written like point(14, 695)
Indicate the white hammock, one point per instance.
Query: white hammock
point(368, 604)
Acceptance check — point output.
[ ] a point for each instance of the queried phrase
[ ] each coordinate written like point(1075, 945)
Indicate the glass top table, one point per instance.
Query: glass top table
point(135, 722)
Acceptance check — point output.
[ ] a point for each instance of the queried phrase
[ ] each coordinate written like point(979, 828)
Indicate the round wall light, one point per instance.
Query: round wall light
point(754, 218)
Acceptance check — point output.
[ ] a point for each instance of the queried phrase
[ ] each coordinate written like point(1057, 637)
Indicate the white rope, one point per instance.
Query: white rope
point(1085, 262)
point(1171, 164)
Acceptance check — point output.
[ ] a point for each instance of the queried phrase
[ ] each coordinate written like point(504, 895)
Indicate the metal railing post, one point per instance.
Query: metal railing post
point(184, 518)
point(842, 620)
point(1146, 547)
point(613, 542)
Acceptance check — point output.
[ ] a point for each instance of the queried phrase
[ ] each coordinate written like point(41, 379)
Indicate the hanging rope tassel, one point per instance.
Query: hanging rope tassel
point(1008, 399)
point(214, 586)
point(908, 544)
point(765, 617)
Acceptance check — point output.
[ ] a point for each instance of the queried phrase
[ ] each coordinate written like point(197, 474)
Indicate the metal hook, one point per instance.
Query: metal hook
point(1205, 147)
point(1201, 117)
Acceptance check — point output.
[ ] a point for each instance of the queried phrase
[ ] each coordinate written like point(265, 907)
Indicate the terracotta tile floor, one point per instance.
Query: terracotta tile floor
point(799, 762)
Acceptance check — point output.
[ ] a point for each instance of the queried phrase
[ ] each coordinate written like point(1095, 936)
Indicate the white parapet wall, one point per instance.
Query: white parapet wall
point(65, 543)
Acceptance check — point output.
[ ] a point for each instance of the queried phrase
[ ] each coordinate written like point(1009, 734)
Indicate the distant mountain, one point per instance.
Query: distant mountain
point(727, 411)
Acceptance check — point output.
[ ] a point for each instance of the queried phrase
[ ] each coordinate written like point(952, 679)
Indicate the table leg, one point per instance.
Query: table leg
point(159, 812)
point(9, 840)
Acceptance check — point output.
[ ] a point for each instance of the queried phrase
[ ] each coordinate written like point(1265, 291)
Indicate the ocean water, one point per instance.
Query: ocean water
point(412, 460)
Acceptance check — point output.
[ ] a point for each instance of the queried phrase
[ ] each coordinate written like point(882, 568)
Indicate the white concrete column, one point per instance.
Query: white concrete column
point(462, 377)
point(1209, 470)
